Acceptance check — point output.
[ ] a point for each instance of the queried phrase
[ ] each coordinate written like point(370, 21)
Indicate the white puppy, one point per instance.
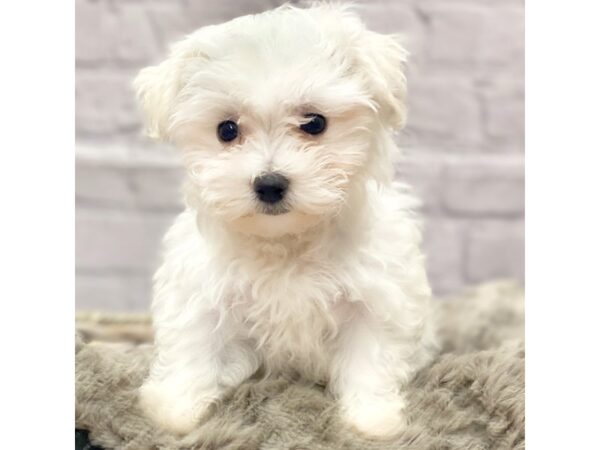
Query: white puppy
point(295, 251)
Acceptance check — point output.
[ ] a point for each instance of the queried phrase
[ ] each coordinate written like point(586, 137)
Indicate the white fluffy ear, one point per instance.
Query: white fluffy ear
point(157, 87)
point(383, 58)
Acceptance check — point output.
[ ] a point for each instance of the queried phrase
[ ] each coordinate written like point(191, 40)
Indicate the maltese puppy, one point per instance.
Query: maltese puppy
point(296, 252)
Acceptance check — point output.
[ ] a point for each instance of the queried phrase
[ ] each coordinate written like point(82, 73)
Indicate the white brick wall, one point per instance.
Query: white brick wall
point(464, 140)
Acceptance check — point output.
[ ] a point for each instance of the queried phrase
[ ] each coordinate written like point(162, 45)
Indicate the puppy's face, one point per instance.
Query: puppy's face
point(279, 115)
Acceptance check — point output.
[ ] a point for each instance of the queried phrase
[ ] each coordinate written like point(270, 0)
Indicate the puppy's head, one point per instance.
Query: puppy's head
point(279, 115)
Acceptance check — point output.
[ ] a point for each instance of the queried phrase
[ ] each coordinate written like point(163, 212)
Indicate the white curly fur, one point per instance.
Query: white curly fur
point(335, 288)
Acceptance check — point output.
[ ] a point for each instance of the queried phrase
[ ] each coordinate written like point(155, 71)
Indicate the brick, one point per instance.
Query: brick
point(146, 187)
point(101, 185)
point(455, 31)
point(443, 247)
point(105, 103)
point(443, 110)
point(424, 175)
point(488, 188)
point(207, 13)
point(170, 22)
point(110, 241)
point(495, 251)
point(473, 33)
point(504, 114)
point(134, 40)
point(503, 40)
point(121, 33)
point(158, 187)
point(113, 292)
point(92, 32)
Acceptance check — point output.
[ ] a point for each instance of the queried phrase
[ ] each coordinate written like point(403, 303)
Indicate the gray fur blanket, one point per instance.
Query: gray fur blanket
point(470, 397)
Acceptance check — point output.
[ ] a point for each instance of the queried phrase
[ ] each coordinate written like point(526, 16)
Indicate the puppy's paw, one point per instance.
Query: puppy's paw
point(174, 413)
point(375, 416)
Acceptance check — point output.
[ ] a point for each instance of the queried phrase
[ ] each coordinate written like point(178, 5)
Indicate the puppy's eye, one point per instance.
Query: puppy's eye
point(315, 125)
point(227, 131)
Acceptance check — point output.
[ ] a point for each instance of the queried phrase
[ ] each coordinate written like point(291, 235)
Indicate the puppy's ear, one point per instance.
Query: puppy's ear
point(157, 87)
point(383, 58)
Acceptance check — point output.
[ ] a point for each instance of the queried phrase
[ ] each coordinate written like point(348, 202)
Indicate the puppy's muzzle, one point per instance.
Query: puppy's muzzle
point(271, 188)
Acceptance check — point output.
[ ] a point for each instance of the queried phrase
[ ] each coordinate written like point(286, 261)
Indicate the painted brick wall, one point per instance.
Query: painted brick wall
point(464, 141)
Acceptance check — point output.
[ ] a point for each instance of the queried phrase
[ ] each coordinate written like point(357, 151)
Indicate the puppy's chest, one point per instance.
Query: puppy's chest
point(286, 299)
point(293, 316)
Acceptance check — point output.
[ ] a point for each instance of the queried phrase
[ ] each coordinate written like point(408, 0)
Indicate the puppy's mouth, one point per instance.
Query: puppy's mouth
point(276, 209)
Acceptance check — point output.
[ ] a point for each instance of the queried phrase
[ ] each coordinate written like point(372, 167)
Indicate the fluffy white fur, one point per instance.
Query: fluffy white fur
point(334, 289)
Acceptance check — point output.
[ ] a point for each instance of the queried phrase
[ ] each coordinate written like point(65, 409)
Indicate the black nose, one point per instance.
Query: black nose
point(271, 187)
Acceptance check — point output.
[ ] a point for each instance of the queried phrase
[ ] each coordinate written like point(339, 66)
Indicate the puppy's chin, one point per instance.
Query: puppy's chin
point(273, 226)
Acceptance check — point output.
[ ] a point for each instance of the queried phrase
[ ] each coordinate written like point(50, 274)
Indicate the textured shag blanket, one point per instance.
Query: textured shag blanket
point(470, 397)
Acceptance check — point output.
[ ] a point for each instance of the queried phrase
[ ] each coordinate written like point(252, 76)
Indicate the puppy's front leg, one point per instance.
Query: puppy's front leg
point(365, 376)
point(195, 362)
